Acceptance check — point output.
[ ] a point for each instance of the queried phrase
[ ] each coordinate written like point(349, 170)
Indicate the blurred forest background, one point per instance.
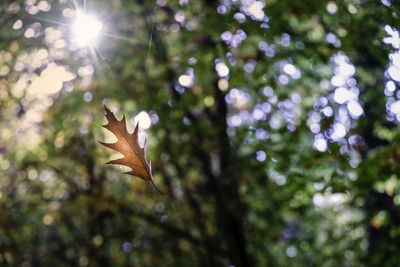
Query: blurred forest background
point(272, 128)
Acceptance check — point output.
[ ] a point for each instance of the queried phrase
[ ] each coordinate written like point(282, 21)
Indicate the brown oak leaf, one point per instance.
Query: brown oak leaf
point(127, 144)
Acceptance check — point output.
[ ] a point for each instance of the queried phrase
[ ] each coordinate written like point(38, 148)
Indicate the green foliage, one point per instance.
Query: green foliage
point(241, 189)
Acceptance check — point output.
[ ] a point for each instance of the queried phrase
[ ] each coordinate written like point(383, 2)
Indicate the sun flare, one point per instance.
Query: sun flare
point(86, 28)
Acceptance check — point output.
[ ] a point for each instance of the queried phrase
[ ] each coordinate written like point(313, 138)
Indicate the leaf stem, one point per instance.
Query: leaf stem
point(151, 180)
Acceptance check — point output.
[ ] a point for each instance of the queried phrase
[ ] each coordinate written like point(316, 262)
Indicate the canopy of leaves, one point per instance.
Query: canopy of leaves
point(272, 128)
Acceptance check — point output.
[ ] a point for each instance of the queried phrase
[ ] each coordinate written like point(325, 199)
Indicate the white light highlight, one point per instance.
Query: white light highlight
point(395, 108)
point(394, 38)
point(339, 131)
point(86, 28)
point(320, 143)
point(355, 109)
point(222, 69)
point(343, 95)
point(143, 119)
point(186, 80)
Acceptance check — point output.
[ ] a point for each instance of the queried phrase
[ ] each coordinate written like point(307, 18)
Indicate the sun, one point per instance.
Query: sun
point(86, 28)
